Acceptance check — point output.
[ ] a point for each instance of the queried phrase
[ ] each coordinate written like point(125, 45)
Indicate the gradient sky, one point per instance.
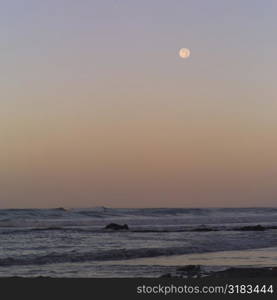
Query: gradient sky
point(97, 108)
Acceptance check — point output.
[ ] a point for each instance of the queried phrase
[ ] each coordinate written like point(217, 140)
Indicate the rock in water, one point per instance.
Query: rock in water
point(189, 271)
point(252, 228)
point(115, 226)
point(189, 268)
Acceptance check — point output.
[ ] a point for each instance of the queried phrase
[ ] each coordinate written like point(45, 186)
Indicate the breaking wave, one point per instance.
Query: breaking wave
point(125, 254)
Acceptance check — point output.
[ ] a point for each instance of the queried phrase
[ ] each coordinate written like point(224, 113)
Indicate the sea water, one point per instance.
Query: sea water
point(74, 242)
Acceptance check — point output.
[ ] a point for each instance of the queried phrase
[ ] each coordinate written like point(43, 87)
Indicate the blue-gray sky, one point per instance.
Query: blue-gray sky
point(97, 108)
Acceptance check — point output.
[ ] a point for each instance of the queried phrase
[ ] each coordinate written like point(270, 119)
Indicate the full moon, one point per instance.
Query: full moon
point(184, 53)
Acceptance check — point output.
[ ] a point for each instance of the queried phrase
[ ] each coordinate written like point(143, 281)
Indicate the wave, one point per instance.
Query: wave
point(106, 212)
point(169, 229)
point(117, 254)
point(127, 254)
point(101, 216)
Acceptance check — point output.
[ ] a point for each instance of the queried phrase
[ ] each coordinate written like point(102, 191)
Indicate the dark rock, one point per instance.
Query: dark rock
point(60, 209)
point(204, 228)
point(252, 228)
point(115, 226)
point(47, 228)
point(189, 269)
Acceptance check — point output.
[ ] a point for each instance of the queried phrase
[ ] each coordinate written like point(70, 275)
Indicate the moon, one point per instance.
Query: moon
point(184, 53)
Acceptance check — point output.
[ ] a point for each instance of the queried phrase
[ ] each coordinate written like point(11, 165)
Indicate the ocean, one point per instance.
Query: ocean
point(74, 242)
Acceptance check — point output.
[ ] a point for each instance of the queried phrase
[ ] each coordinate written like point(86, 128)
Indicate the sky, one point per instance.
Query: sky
point(98, 109)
